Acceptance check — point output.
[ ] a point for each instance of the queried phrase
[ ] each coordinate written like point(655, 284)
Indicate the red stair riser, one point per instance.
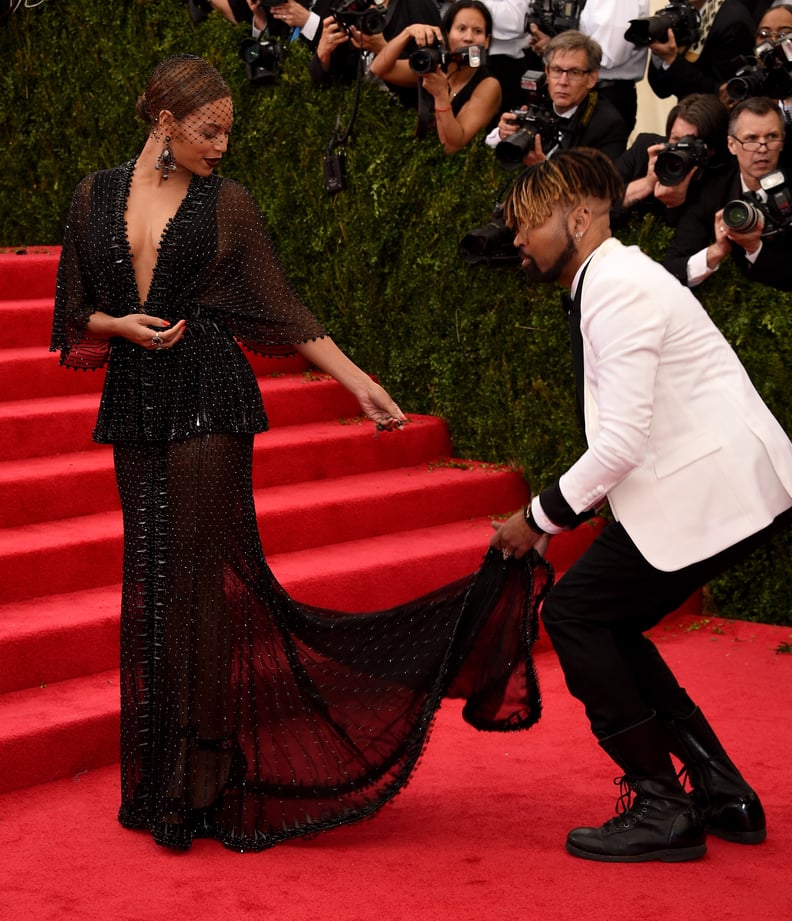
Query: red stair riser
point(83, 483)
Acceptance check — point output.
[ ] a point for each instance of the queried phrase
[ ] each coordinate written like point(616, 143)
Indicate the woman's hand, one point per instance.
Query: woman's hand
point(148, 332)
point(436, 83)
point(423, 35)
point(379, 407)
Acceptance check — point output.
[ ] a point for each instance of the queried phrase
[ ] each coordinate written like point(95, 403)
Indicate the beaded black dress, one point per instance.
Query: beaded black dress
point(247, 716)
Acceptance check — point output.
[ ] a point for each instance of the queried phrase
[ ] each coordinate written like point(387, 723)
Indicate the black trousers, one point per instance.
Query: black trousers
point(596, 616)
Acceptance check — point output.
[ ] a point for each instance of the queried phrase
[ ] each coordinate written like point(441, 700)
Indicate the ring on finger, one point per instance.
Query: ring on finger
point(156, 341)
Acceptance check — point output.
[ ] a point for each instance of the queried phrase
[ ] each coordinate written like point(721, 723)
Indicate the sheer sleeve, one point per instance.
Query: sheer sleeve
point(246, 282)
point(75, 298)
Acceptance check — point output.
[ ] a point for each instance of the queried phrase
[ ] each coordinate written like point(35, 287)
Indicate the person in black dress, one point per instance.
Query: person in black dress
point(245, 716)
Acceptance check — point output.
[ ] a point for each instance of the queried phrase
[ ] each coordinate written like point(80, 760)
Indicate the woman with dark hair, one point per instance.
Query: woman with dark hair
point(245, 716)
point(465, 96)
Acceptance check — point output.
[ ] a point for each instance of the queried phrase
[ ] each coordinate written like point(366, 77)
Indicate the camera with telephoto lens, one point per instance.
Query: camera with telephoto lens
point(367, 16)
point(679, 16)
point(263, 58)
point(537, 119)
point(677, 159)
point(744, 216)
point(553, 16)
point(427, 60)
point(768, 72)
point(492, 244)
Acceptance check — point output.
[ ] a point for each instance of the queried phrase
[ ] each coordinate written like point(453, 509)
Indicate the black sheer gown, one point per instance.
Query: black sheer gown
point(247, 716)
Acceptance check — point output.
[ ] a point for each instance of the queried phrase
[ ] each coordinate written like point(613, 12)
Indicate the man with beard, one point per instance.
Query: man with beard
point(697, 472)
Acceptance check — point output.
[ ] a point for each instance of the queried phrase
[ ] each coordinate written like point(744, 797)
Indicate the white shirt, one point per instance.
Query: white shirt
point(606, 21)
point(508, 26)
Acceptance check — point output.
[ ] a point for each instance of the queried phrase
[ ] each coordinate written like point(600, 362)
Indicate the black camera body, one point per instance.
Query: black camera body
point(744, 216)
point(263, 58)
point(553, 16)
point(679, 16)
point(367, 16)
point(427, 60)
point(537, 119)
point(492, 244)
point(533, 121)
point(677, 159)
point(767, 73)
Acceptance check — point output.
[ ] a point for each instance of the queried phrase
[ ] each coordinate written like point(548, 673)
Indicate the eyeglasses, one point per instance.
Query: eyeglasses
point(774, 35)
point(573, 74)
point(773, 142)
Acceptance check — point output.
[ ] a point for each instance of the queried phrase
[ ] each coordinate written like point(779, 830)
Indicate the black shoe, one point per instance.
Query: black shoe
point(730, 808)
point(660, 824)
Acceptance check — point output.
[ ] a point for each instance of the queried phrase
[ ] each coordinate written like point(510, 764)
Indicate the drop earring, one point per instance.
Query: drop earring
point(165, 161)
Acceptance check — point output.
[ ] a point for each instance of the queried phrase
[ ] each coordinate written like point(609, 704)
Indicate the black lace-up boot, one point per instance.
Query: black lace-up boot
point(656, 819)
point(730, 808)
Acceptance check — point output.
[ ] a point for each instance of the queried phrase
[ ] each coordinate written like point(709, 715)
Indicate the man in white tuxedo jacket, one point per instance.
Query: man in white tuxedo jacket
point(697, 472)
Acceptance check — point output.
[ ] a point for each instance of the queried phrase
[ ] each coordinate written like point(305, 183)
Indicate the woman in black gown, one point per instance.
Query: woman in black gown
point(245, 716)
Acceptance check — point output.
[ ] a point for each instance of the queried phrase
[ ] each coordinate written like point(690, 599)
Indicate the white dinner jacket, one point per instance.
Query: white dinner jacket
point(689, 456)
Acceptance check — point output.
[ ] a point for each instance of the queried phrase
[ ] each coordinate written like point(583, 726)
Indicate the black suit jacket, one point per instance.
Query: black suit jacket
point(596, 123)
point(696, 230)
point(732, 34)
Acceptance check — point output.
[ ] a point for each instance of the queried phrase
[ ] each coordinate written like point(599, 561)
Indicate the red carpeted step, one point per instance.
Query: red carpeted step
point(62, 636)
point(65, 485)
point(65, 555)
point(26, 323)
point(34, 428)
point(32, 372)
point(58, 729)
point(63, 710)
point(29, 273)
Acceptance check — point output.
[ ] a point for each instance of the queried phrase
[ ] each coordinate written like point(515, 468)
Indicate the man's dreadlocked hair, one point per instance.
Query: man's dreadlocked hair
point(565, 179)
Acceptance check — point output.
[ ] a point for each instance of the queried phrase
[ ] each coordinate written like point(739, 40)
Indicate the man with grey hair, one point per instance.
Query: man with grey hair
point(571, 66)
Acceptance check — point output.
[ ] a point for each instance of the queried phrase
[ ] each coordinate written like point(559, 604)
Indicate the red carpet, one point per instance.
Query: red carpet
point(477, 836)
point(356, 522)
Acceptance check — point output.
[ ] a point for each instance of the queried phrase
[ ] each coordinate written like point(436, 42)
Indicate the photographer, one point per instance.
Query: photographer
point(699, 116)
point(703, 239)
point(465, 97)
point(622, 64)
point(726, 32)
point(774, 27)
point(337, 55)
point(572, 69)
point(293, 14)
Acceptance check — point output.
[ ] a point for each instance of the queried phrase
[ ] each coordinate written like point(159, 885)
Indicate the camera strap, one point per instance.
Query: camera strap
point(334, 160)
point(706, 18)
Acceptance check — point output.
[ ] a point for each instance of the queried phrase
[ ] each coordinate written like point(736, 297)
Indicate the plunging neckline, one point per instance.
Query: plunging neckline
point(141, 302)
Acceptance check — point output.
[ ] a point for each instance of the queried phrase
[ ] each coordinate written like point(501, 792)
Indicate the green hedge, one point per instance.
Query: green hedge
point(377, 262)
